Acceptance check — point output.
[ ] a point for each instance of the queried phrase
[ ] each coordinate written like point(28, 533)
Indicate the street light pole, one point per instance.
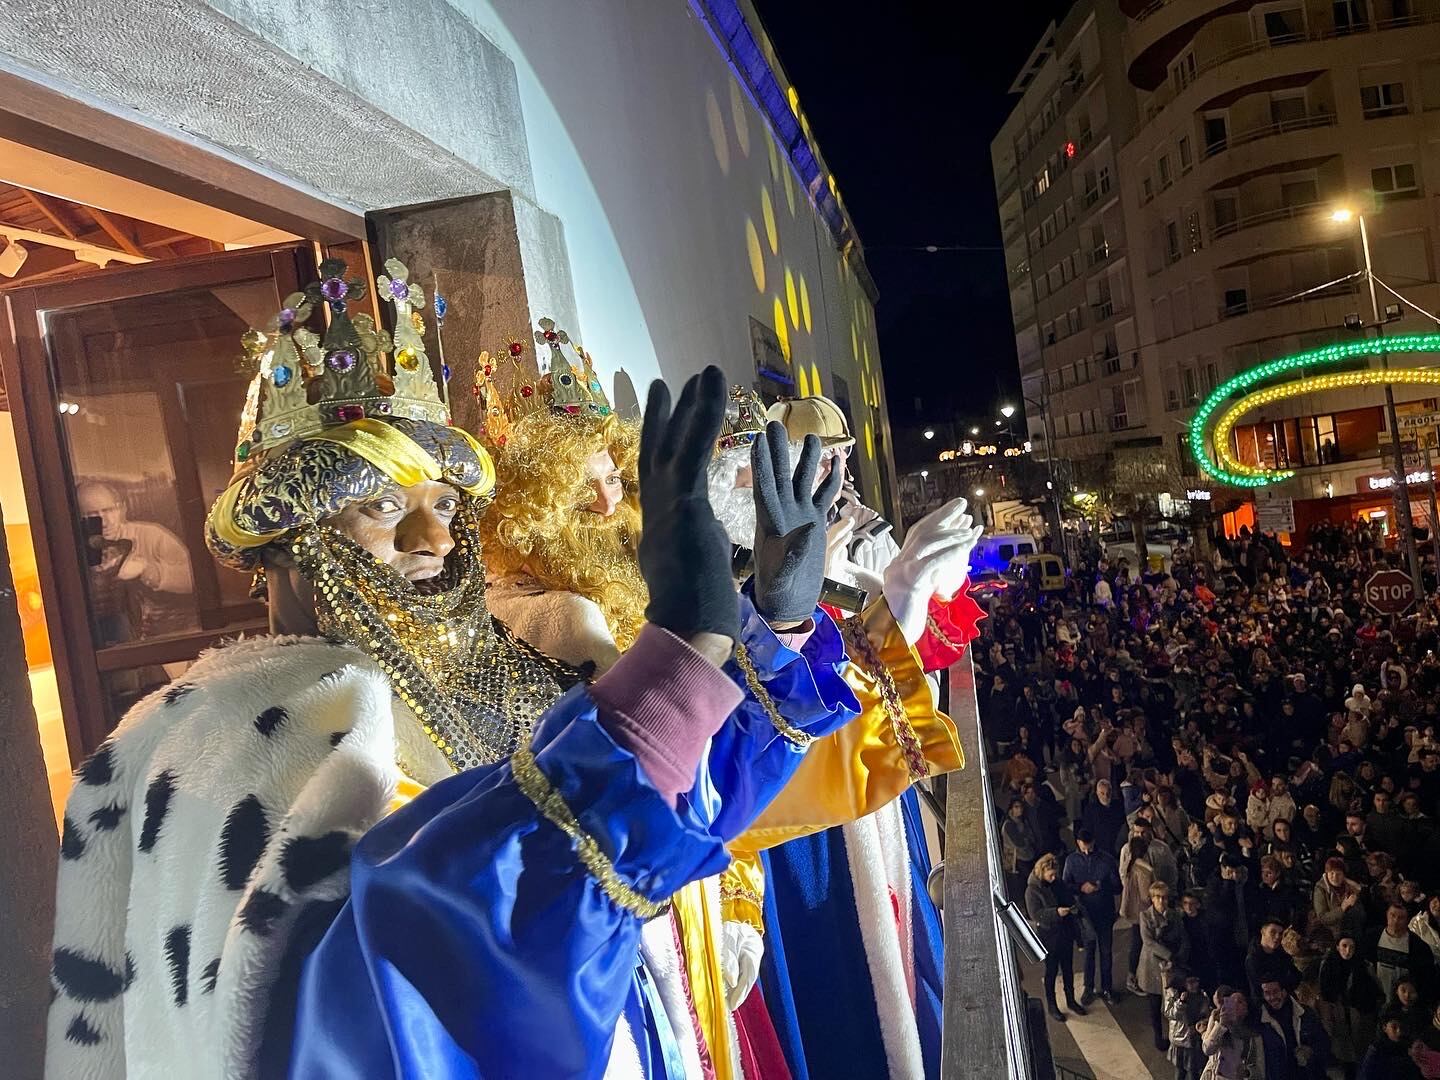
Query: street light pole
point(1402, 491)
point(1044, 406)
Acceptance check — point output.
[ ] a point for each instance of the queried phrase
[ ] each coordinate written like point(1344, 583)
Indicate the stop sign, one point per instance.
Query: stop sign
point(1389, 591)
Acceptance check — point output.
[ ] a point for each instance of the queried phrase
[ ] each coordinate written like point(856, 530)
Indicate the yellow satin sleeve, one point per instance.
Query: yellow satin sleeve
point(900, 737)
point(742, 891)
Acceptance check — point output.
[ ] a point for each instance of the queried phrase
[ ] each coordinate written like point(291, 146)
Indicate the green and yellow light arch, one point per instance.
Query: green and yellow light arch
point(1225, 468)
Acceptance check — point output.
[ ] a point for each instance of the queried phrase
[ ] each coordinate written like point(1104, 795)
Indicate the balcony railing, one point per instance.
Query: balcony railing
point(1115, 363)
point(1250, 221)
point(1168, 92)
point(1280, 127)
point(1259, 303)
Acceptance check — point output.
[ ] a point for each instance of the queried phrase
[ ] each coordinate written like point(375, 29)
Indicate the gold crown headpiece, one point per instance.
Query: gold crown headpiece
point(304, 382)
point(744, 419)
point(563, 388)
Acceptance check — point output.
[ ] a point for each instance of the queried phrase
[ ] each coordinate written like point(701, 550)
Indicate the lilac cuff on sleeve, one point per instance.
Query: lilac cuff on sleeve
point(795, 640)
point(663, 701)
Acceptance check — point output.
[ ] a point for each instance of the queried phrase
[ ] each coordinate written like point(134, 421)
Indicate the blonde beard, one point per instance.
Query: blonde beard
point(594, 557)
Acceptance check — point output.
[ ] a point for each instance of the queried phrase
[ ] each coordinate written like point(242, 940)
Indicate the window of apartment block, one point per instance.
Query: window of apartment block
point(1182, 74)
point(1172, 242)
point(1350, 15)
point(1217, 133)
point(1042, 182)
point(1283, 23)
point(1237, 302)
point(1302, 192)
point(1225, 210)
point(1191, 387)
point(1287, 109)
point(1187, 159)
point(1212, 375)
point(1047, 229)
point(1430, 85)
point(1102, 175)
point(1394, 181)
point(1383, 99)
point(1147, 190)
point(1035, 240)
point(1047, 333)
point(1163, 166)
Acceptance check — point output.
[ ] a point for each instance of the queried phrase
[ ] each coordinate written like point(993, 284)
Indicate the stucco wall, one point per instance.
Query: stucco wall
point(632, 151)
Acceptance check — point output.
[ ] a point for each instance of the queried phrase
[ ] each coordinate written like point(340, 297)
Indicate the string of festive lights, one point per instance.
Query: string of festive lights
point(1253, 476)
point(1229, 471)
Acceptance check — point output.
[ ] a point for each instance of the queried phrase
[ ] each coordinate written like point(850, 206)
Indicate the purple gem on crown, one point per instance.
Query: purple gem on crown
point(334, 290)
point(445, 372)
point(347, 413)
point(441, 307)
point(287, 319)
point(400, 290)
point(341, 361)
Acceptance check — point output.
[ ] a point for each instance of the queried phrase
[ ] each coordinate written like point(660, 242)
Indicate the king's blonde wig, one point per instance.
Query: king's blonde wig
point(538, 523)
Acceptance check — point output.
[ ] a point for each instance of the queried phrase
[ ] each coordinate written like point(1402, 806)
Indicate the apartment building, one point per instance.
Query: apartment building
point(1250, 124)
point(1058, 181)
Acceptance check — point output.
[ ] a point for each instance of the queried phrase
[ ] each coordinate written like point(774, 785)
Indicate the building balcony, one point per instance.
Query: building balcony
point(1293, 51)
point(1161, 30)
point(1266, 131)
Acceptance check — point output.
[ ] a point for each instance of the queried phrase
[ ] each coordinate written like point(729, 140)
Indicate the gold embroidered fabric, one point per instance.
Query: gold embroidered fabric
point(758, 691)
point(857, 643)
point(742, 891)
point(939, 635)
point(551, 805)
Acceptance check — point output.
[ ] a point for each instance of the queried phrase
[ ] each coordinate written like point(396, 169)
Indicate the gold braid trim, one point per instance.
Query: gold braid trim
point(940, 635)
point(861, 649)
point(739, 892)
point(752, 680)
point(536, 787)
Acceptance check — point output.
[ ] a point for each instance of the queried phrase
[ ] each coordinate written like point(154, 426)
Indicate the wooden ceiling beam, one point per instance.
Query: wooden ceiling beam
point(113, 230)
point(41, 203)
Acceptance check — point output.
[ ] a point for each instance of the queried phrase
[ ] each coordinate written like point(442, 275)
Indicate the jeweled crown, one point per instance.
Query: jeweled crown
point(304, 383)
point(562, 386)
point(744, 419)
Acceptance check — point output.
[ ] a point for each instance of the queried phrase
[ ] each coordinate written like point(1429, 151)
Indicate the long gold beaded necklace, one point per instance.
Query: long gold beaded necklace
point(476, 690)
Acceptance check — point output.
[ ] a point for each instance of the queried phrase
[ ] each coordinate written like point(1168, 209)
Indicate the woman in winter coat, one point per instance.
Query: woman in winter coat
point(1137, 874)
point(1231, 1042)
point(1054, 912)
point(1018, 847)
point(1349, 1003)
point(1162, 943)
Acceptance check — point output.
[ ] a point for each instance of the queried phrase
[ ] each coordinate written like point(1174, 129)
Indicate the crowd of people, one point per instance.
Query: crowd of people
point(1232, 766)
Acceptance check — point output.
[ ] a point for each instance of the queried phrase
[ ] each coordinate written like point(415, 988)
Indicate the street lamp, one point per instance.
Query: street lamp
point(975, 430)
point(924, 474)
point(1007, 411)
point(979, 493)
point(1342, 215)
point(929, 433)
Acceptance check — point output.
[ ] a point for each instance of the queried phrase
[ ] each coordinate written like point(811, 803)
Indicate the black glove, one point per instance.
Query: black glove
point(789, 526)
point(684, 553)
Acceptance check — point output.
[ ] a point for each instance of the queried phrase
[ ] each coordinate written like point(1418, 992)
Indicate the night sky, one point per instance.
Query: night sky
point(904, 102)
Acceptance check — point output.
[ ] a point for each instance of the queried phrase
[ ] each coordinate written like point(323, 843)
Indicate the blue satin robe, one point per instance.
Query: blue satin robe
point(475, 944)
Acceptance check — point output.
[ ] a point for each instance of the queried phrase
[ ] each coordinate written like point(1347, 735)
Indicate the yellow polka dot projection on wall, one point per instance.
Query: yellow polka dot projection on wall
point(757, 256)
point(805, 303)
point(815, 384)
point(792, 303)
point(854, 343)
point(774, 159)
point(793, 97)
point(718, 139)
point(767, 212)
point(802, 382)
point(741, 117)
point(782, 329)
point(869, 441)
point(789, 190)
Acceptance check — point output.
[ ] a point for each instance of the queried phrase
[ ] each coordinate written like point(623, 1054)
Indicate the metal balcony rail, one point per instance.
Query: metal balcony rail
point(1279, 127)
point(1169, 91)
point(1115, 363)
point(1259, 303)
point(1146, 12)
point(1250, 221)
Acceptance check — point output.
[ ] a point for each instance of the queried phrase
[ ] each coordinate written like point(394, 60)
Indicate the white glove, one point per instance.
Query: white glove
point(838, 564)
point(741, 950)
point(933, 561)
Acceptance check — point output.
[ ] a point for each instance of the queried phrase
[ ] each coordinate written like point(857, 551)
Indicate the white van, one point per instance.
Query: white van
point(994, 553)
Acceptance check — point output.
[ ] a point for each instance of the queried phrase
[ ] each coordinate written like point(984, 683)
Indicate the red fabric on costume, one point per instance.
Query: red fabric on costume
point(949, 628)
point(760, 1055)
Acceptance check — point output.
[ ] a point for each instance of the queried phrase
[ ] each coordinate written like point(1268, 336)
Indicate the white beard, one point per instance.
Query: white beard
point(734, 507)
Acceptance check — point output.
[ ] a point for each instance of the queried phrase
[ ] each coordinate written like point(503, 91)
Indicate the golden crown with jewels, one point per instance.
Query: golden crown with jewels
point(305, 382)
point(562, 387)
